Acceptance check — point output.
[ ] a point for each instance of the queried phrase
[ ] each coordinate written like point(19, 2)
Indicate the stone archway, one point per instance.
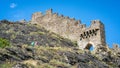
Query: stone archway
point(89, 46)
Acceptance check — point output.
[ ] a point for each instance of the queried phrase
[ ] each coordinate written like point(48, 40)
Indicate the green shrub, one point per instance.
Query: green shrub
point(4, 43)
point(6, 65)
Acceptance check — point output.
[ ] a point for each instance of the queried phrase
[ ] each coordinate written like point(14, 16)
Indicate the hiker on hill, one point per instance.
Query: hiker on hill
point(34, 43)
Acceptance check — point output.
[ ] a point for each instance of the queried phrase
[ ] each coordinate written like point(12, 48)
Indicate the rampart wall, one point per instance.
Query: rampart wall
point(72, 29)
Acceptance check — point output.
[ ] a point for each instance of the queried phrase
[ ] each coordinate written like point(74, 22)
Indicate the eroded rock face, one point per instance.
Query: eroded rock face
point(70, 58)
point(84, 60)
point(46, 55)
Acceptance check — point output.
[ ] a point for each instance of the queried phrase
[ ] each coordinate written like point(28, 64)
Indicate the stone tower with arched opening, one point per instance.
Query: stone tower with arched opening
point(72, 29)
point(93, 35)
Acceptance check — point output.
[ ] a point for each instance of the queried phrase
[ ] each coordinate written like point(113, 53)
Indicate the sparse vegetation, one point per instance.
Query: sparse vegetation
point(7, 64)
point(4, 43)
point(52, 50)
point(57, 63)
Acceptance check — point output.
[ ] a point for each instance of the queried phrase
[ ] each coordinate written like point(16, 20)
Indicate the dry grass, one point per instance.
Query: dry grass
point(31, 62)
point(57, 63)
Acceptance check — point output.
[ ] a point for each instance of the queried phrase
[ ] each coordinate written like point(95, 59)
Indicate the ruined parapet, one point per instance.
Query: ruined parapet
point(55, 15)
point(49, 12)
point(92, 36)
point(65, 26)
point(82, 27)
point(72, 29)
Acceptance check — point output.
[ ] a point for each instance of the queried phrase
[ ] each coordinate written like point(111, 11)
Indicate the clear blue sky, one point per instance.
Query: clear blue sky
point(108, 11)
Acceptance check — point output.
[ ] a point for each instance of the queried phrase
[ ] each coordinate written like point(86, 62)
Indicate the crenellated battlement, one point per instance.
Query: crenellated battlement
point(71, 28)
point(49, 12)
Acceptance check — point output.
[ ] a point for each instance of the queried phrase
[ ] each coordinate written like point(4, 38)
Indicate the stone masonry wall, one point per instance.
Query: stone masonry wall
point(66, 27)
point(93, 35)
point(71, 28)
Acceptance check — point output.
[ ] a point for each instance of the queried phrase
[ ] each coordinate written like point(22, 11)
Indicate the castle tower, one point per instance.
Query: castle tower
point(92, 36)
point(73, 29)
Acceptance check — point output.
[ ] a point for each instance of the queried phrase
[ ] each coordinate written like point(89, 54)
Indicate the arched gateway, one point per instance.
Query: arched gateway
point(94, 35)
point(89, 46)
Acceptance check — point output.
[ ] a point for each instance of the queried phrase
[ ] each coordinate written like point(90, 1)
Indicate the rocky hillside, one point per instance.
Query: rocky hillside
point(51, 51)
point(22, 33)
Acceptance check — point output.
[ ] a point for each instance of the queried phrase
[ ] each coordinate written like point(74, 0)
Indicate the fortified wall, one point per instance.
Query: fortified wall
point(94, 35)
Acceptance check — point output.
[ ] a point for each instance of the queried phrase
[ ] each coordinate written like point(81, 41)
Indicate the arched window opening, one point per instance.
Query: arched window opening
point(89, 47)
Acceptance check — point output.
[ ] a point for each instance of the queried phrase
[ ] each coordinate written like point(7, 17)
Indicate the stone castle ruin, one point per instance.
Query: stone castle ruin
point(94, 35)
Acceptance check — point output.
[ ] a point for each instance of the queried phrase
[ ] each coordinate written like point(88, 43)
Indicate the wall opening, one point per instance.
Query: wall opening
point(89, 47)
